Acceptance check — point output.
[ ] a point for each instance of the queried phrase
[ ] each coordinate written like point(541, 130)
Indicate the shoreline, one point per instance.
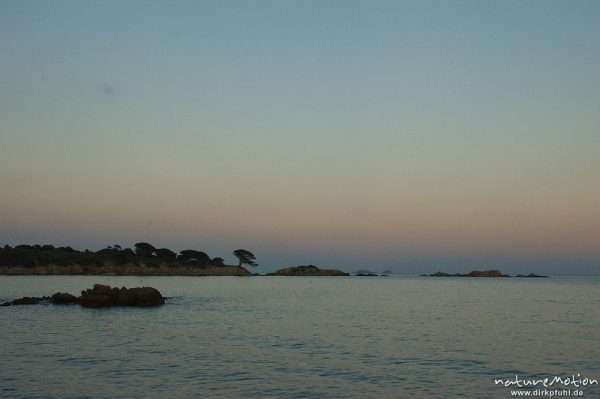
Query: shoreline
point(124, 270)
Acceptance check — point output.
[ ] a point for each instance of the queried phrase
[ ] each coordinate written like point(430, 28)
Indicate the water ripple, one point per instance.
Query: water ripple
point(300, 338)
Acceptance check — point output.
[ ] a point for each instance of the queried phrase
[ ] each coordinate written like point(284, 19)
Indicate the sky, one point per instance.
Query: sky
point(413, 136)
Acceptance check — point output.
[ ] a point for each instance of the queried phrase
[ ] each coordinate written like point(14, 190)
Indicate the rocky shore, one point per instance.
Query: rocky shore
point(98, 297)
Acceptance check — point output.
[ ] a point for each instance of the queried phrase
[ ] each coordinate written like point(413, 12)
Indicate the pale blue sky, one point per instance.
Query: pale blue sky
point(399, 135)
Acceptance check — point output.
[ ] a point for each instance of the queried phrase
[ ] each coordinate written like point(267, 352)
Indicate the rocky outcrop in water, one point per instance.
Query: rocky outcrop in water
point(441, 274)
point(365, 273)
point(63, 298)
point(474, 273)
point(100, 296)
point(310, 270)
point(104, 296)
point(485, 273)
point(530, 275)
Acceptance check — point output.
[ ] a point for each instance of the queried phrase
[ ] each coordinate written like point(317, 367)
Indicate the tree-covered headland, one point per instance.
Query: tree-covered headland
point(142, 254)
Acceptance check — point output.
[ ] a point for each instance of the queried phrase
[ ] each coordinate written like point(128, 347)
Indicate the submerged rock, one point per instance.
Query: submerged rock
point(105, 296)
point(26, 300)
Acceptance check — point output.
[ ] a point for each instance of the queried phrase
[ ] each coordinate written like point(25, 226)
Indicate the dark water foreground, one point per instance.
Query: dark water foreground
point(323, 337)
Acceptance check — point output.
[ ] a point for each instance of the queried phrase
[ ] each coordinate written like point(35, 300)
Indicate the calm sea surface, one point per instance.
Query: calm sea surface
point(300, 337)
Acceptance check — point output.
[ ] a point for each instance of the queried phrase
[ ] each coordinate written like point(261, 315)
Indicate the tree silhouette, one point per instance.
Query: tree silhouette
point(245, 257)
point(192, 256)
point(165, 254)
point(218, 261)
point(144, 249)
point(142, 253)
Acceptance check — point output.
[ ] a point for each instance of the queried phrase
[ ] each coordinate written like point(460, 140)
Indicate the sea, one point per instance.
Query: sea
point(305, 337)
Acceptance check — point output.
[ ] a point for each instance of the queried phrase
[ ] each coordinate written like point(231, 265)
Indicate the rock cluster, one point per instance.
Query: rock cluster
point(474, 273)
point(365, 273)
point(100, 296)
point(104, 296)
point(479, 273)
point(485, 273)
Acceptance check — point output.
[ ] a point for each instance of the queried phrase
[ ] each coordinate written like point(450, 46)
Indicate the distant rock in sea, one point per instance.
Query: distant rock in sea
point(310, 270)
point(100, 296)
point(474, 273)
point(530, 275)
point(441, 274)
point(485, 273)
point(365, 273)
point(386, 272)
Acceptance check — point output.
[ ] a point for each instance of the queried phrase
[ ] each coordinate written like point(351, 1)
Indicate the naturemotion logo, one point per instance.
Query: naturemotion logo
point(560, 386)
point(572, 381)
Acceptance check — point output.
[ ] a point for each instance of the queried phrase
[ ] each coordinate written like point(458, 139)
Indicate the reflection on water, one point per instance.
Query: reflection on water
point(299, 337)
